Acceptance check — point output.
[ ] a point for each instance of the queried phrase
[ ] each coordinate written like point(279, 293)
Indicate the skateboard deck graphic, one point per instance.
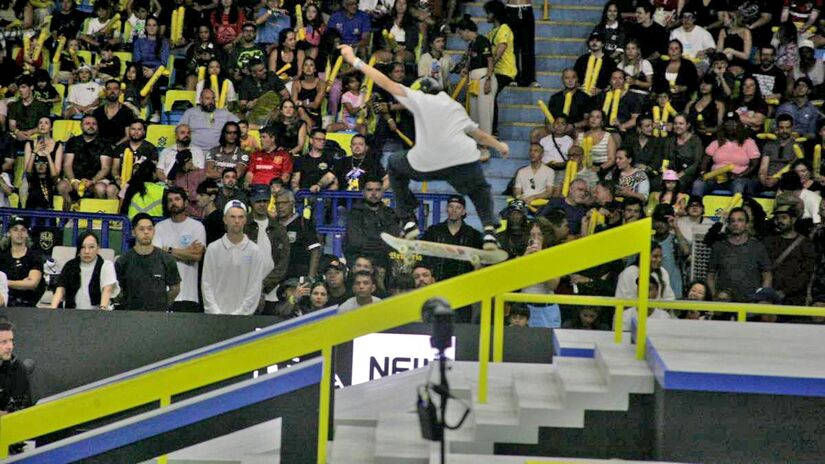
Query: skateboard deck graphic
point(443, 250)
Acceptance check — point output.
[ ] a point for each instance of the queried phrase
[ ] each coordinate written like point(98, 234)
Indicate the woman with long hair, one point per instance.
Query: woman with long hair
point(314, 28)
point(685, 150)
point(696, 290)
point(308, 93)
point(287, 52)
point(735, 42)
point(750, 106)
point(732, 146)
point(214, 68)
point(202, 50)
point(706, 110)
point(88, 281)
point(292, 128)
point(542, 236)
point(150, 52)
point(631, 182)
point(140, 191)
point(612, 29)
point(405, 29)
point(628, 286)
point(804, 169)
point(226, 21)
point(677, 74)
point(671, 194)
point(318, 298)
point(603, 146)
point(638, 70)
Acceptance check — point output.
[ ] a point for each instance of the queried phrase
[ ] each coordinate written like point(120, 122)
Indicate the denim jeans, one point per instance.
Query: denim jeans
point(467, 179)
point(545, 316)
point(737, 185)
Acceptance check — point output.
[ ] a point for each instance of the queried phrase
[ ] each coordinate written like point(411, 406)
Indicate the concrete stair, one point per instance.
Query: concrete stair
point(522, 398)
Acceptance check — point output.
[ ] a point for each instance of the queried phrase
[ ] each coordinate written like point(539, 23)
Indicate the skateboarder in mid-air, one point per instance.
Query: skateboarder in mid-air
point(446, 148)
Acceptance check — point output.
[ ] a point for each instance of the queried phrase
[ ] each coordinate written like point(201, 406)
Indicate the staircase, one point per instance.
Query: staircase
point(376, 422)
point(559, 41)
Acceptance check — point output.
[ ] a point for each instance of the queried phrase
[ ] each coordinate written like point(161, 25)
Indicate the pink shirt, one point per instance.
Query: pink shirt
point(733, 153)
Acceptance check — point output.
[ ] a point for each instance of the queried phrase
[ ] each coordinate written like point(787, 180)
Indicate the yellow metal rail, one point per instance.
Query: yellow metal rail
point(158, 387)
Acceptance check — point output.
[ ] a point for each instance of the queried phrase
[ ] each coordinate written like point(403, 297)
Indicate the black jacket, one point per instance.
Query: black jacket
point(363, 236)
point(15, 393)
point(70, 280)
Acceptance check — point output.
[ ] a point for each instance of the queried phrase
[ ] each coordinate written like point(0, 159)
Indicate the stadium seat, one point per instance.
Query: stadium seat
point(173, 96)
point(57, 108)
point(343, 139)
point(161, 135)
point(96, 206)
point(87, 56)
point(125, 57)
point(64, 129)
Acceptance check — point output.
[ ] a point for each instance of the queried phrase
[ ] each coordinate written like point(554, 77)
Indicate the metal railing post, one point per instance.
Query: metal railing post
point(484, 349)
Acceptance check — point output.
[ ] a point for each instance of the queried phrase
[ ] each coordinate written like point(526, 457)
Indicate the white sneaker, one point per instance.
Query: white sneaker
point(155, 118)
point(410, 230)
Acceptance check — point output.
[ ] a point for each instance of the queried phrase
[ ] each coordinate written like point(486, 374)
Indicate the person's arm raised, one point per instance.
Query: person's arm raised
point(377, 76)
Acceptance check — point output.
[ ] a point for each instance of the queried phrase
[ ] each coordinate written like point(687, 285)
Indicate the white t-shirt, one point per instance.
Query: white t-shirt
point(553, 154)
point(181, 235)
point(441, 131)
point(352, 303)
point(84, 94)
point(693, 42)
point(811, 201)
point(233, 276)
point(4, 199)
point(533, 182)
point(108, 276)
point(168, 156)
point(4, 289)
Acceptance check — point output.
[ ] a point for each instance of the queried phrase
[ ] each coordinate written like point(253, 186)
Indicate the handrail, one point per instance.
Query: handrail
point(322, 335)
point(62, 218)
point(740, 309)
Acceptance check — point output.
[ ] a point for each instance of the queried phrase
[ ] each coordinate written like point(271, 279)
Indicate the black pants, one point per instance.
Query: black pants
point(523, 24)
point(503, 82)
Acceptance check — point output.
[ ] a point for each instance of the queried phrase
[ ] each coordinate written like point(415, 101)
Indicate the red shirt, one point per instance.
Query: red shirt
point(267, 166)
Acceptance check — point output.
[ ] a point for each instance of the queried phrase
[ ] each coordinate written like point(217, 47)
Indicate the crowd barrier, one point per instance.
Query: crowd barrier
point(75, 223)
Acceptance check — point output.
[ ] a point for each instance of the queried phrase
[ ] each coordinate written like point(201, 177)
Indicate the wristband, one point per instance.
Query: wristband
point(358, 64)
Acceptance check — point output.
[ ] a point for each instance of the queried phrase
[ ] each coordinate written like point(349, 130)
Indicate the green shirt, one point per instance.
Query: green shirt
point(27, 115)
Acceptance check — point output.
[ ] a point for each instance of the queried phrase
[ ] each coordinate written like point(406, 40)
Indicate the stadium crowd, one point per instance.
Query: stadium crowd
point(673, 102)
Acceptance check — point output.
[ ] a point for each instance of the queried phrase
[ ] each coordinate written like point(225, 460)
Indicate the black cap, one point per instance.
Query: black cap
point(457, 199)
point(208, 187)
point(662, 211)
point(696, 199)
point(785, 209)
point(260, 193)
point(336, 265)
point(766, 294)
point(597, 35)
point(731, 116)
point(18, 221)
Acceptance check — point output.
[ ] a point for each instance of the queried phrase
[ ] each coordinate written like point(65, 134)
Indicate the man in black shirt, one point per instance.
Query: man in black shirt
point(23, 116)
point(313, 171)
point(141, 149)
point(148, 277)
point(212, 217)
point(366, 222)
point(246, 51)
point(652, 37)
point(87, 161)
point(258, 82)
point(66, 21)
point(579, 101)
point(113, 117)
point(352, 170)
point(15, 393)
point(23, 266)
point(772, 81)
point(305, 246)
point(595, 46)
point(453, 231)
point(229, 190)
point(335, 275)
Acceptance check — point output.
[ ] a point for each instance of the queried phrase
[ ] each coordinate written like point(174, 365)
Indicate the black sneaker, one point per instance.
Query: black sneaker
point(410, 230)
point(490, 242)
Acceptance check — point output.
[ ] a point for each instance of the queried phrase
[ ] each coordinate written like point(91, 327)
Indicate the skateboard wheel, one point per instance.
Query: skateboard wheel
point(475, 259)
point(403, 249)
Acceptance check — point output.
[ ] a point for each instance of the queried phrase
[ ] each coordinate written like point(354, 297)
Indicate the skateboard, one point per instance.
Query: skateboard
point(443, 250)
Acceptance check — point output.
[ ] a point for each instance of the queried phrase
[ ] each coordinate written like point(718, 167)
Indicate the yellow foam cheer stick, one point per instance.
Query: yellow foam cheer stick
point(459, 88)
point(201, 73)
point(152, 80)
point(665, 165)
point(38, 45)
point(335, 68)
point(181, 17)
point(284, 69)
point(817, 159)
point(61, 42)
point(362, 114)
point(404, 137)
point(798, 151)
point(614, 111)
point(546, 111)
point(608, 102)
point(587, 147)
point(657, 117)
point(127, 166)
point(588, 74)
point(568, 102)
point(718, 172)
point(173, 34)
point(224, 94)
point(27, 45)
point(570, 172)
point(299, 23)
point(766, 136)
point(213, 81)
point(734, 202)
point(782, 171)
point(122, 97)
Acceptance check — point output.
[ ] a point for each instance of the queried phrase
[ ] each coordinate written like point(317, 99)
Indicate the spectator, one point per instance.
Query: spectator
point(142, 150)
point(67, 20)
point(773, 83)
point(293, 129)
point(638, 70)
point(556, 145)
point(353, 25)
point(234, 268)
point(212, 216)
point(108, 65)
point(82, 97)
point(226, 21)
point(183, 141)
point(23, 115)
point(257, 84)
point(305, 245)
point(514, 237)
point(534, 181)
point(87, 163)
point(201, 52)
point(725, 80)
point(205, 120)
point(215, 68)
point(579, 101)
point(631, 181)
point(366, 263)
point(151, 52)
point(244, 52)
point(42, 145)
point(308, 92)
point(148, 277)
point(684, 151)
point(42, 174)
point(647, 151)
point(739, 262)
point(628, 287)
point(790, 183)
point(287, 52)
point(315, 170)
point(228, 153)
point(776, 154)
point(423, 276)
point(271, 19)
point(732, 146)
point(676, 76)
point(271, 237)
point(519, 315)
point(351, 172)
point(603, 145)
point(453, 231)
point(502, 42)
point(22, 266)
point(271, 162)
point(542, 236)
point(367, 221)
point(290, 297)
point(707, 109)
point(98, 31)
point(671, 194)
point(16, 393)
point(318, 298)
point(188, 177)
point(335, 276)
point(804, 170)
point(363, 286)
point(808, 65)
point(88, 281)
point(750, 106)
point(595, 47)
point(113, 117)
point(613, 31)
point(143, 195)
point(735, 41)
point(479, 70)
point(182, 237)
point(650, 35)
point(437, 64)
point(697, 41)
point(675, 248)
point(805, 115)
point(632, 210)
point(792, 255)
point(587, 318)
point(630, 104)
point(574, 205)
point(806, 12)
point(229, 190)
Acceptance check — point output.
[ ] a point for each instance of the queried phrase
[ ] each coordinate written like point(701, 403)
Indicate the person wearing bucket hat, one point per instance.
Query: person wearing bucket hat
point(792, 254)
point(671, 193)
point(453, 231)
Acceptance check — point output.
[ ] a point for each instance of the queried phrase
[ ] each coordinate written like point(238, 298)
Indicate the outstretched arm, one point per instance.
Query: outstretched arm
point(488, 140)
point(377, 76)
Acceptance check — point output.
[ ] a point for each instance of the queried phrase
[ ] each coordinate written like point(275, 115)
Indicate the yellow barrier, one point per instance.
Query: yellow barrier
point(159, 386)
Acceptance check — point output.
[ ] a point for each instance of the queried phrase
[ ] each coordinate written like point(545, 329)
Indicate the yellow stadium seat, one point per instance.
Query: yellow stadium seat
point(64, 129)
point(125, 57)
point(173, 96)
point(343, 139)
point(161, 135)
point(57, 108)
point(95, 205)
point(86, 55)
